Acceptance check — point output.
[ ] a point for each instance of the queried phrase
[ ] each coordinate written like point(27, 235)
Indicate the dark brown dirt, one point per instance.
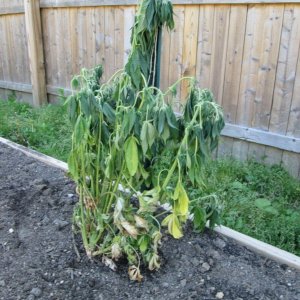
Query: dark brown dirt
point(38, 261)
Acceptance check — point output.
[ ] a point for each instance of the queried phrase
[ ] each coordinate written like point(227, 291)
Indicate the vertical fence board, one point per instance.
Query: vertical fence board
point(109, 42)
point(35, 51)
point(100, 35)
point(165, 59)
point(189, 46)
point(233, 65)
point(119, 38)
point(205, 41)
point(292, 160)
point(129, 13)
point(176, 48)
point(90, 37)
point(219, 49)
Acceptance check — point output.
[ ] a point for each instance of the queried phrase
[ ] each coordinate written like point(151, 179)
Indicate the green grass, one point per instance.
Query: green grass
point(258, 200)
point(46, 129)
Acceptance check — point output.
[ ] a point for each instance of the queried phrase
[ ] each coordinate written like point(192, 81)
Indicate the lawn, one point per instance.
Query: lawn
point(258, 200)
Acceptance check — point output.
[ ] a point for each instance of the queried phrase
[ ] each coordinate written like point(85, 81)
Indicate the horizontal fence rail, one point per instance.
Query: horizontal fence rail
point(16, 8)
point(246, 52)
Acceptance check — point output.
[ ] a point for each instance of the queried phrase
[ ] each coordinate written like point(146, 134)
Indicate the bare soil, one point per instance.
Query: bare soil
point(38, 260)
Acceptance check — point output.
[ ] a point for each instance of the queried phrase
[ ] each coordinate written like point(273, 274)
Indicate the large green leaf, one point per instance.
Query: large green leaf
point(131, 155)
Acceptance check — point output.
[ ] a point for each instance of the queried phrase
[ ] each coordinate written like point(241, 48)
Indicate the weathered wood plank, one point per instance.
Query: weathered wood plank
point(20, 87)
point(16, 8)
point(109, 43)
point(267, 65)
point(219, 50)
point(76, 3)
point(205, 41)
point(35, 51)
point(119, 38)
point(225, 147)
point(176, 48)
point(165, 59)
point(235, 48)
point(262, 137)
point(129, 13)
point(100, 35)
point(191, 25)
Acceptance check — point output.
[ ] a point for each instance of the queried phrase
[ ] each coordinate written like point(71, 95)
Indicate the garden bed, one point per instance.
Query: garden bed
point(38, 259)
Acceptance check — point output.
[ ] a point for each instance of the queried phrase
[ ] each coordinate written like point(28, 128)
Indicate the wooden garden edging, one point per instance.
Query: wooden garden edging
point(262, 248)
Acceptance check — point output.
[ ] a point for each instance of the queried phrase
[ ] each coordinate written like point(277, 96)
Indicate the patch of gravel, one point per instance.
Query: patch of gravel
point(38, 261)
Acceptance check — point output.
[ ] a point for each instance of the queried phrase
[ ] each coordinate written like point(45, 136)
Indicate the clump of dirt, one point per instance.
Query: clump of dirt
point(38, 259)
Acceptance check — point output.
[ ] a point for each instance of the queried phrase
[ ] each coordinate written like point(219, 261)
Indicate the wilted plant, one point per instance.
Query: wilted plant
point(121, 131)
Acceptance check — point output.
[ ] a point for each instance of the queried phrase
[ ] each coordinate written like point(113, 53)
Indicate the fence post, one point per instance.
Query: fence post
point(35, 51)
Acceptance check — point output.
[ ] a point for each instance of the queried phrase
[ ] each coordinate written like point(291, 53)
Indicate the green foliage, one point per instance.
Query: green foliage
point(117, 142)
point(258, 200)
point(151, 16)
point(120, 131)
point(46, 129)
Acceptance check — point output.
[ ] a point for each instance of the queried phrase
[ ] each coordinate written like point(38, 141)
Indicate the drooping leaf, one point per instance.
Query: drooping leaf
point(131, 155)
point(173, 225)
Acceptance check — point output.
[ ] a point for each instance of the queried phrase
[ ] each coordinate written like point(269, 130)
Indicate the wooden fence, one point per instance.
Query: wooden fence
point(247, 53)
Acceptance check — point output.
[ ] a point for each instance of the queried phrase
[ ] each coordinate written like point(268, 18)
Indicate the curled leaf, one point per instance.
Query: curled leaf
point(173, 225)
point(156, 238)
point(116, 251)
point(141, 223)
point(134, 273)
point(130, 229)
point(154, 262)
point(109, 263)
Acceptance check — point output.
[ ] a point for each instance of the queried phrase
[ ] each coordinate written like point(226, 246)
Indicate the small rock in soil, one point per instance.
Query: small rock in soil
point(220, 295)
point(37, 292)
point(219, 243)
point(60, 224)
point(183, 282)
point(31, 297)
point(45, 221)
point(214, 254)
point(41, 187)
point(195, 262)
point(205, 267)
point(52, 202)
point(2, 283)
point(165, 284)
point(47, 192)
point(40, 181)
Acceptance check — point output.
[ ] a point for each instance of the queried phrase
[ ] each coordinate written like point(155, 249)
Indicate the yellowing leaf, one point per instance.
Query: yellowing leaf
point(173, 225)
point(131, 156)
point(183, 201)
point(176, 229)
point(177, 190)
